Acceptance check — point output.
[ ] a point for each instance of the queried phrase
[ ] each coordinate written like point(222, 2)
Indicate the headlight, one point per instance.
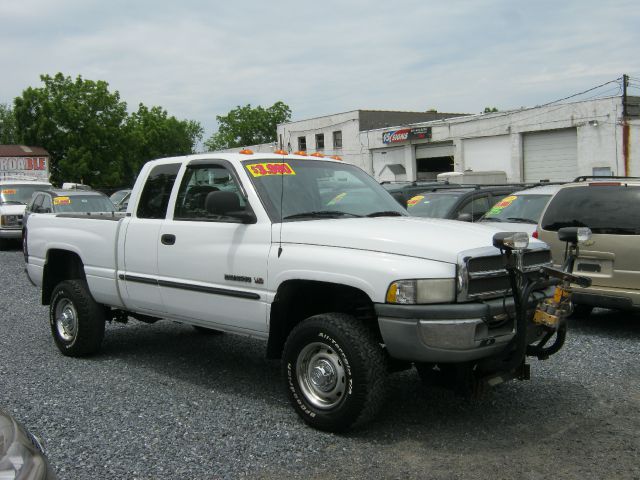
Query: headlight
point(10, 220)
point(433, 290)
point(19, 462)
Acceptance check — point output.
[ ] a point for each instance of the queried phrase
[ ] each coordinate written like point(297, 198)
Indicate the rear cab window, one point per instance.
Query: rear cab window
point(157, 190)
point(605, 209)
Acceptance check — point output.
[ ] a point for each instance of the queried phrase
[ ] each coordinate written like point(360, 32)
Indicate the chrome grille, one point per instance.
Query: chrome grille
point(482, 273)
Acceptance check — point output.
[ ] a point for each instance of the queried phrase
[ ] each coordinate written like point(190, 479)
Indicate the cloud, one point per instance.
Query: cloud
point(199, 59)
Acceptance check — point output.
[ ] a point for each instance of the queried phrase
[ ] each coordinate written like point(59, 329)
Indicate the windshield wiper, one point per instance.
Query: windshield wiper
point(489, 219)
point(321, 214)
point(521, 220)
point(12, 202)
point(386, 213)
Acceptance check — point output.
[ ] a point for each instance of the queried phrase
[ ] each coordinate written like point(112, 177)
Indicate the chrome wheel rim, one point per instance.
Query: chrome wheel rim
point(321, 375)
point(66, 320)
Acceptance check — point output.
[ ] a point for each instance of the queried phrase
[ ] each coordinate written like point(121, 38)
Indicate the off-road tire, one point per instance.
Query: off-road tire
point(72, 298)
point(581, 311)
point(358, 360)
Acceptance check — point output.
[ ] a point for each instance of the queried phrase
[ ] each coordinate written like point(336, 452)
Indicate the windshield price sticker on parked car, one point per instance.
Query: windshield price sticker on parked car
point(415, 200)
point(62, 201)
point(505, 202)
point(337, 198)
point(8, 192)
point(263, 169)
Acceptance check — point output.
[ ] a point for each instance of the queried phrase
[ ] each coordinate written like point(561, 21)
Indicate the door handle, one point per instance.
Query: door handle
point(168, 239)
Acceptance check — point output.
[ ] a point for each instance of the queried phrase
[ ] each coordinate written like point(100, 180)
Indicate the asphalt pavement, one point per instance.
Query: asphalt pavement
point(163, 401)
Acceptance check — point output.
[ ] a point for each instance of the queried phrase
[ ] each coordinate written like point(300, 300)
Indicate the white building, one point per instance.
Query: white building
point(556, 142)
point(345, 134)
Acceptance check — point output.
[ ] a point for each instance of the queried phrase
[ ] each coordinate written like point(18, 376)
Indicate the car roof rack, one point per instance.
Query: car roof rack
point(584, 178)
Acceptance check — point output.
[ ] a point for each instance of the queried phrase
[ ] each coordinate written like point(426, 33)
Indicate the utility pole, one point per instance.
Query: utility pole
point(625, 84)
point(626, 134)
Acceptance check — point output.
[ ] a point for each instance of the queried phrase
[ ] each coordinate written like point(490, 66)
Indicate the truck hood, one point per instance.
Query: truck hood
point(433, 239)
point(11, 209)
point(511, 226)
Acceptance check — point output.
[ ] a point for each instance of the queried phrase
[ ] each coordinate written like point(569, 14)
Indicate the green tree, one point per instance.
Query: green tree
point(81, 124)
point(490, 109)
point(248, 126)
point(155, 134)
point(90, 135)
point(8, 131)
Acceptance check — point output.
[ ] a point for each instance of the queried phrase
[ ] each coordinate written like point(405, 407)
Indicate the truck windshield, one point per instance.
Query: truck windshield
point(295, 190)
point(19, 193)
point(517, 208)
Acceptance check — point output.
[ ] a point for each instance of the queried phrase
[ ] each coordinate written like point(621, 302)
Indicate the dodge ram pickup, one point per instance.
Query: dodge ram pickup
point(310, 254)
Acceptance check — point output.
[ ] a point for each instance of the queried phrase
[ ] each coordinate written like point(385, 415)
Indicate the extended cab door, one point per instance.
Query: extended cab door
point(141, 238)
point(213, 268)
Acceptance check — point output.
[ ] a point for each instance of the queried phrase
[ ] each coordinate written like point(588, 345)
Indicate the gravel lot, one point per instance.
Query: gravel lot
point(162, 401)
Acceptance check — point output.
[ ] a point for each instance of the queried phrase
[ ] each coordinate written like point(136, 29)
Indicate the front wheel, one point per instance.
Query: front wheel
point(77, 320)
point(581, 311)
point(335, 372)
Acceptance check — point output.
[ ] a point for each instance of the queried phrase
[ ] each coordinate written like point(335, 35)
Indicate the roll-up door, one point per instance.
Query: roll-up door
point(550, 155)
point(488, 153)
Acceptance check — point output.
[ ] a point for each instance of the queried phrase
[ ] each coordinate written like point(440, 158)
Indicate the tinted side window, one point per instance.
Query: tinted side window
point(197, 183)
point(46, 204)
point(36, 202)
point(604, 209)
point(157, 190)
point(476, 207)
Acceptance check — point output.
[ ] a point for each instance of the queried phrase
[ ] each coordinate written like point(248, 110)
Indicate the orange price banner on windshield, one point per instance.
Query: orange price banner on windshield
point(263, 169)
point(62, 201)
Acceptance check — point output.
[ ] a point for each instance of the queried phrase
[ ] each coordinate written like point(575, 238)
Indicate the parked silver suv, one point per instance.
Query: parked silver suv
point(611, 258)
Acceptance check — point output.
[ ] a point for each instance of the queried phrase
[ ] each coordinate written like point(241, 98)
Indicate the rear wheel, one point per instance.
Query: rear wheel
point(335, 372)
point(77, 320)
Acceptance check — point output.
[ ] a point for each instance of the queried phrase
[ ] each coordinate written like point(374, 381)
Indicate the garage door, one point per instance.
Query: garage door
point(435, 150)
point(488, 153)
point(391, 156)
point(550, 155)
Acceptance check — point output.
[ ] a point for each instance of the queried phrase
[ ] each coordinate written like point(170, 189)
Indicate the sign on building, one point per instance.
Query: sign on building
point(33, 168)
point(404, 134)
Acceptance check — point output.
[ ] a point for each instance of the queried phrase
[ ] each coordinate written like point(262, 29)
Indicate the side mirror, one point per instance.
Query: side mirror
point(400, 198)
point(465, 217)
point(574, 234)
point(228, 204)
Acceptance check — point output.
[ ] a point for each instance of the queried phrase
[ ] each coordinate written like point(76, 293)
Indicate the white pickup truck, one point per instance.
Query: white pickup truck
point(14, 196)
point(309, 254)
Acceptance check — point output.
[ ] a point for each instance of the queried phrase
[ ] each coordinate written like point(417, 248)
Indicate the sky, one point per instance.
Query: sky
point(201, 58)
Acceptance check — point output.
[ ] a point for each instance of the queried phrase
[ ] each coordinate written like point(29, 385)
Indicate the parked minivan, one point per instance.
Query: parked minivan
point(611, 258)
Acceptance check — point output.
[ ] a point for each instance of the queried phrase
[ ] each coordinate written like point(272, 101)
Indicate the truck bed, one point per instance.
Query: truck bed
point(93, 237)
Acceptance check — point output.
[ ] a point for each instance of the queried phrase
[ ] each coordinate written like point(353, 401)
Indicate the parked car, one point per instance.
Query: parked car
point(521, 210)
point(14, 196)
point(403, 191)
point(457, 203)
point(611, 209)
point(21, 454)
point(121, 199)
point(67, 201)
